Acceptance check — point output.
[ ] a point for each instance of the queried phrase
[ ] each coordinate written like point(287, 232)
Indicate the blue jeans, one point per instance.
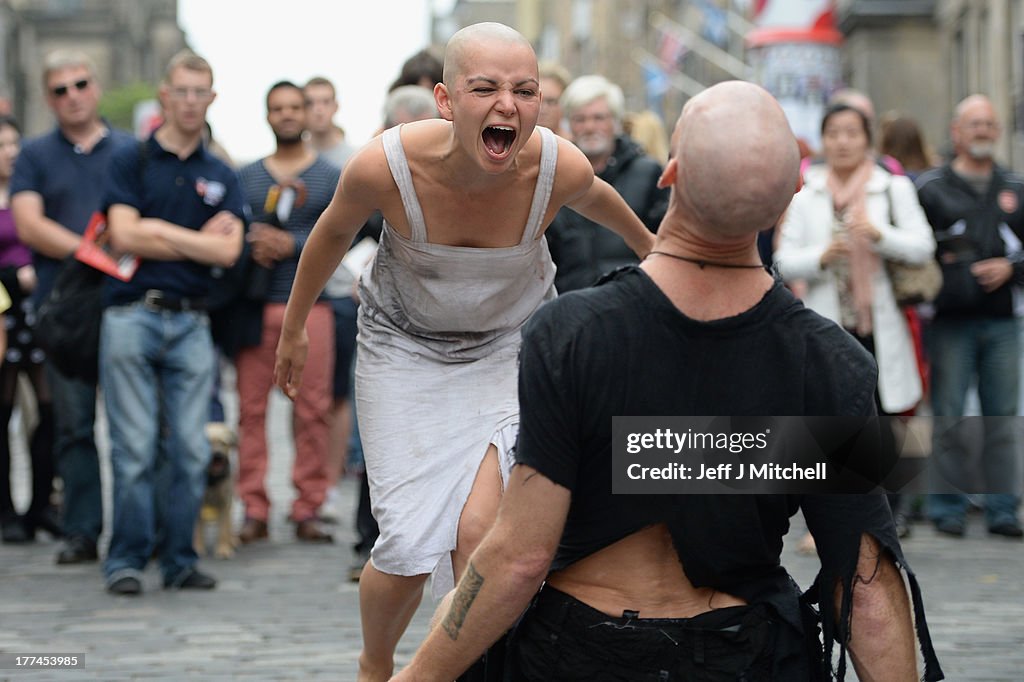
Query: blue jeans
point(156, 371)
point(74, 410)
point(989, 349)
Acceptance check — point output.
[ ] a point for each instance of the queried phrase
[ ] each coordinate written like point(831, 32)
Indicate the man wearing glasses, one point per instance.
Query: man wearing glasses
point(582, 249)
point(178, 208)
point(976, 208)
point(57, 183)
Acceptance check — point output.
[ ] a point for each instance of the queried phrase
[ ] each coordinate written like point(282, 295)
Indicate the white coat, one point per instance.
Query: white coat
point(807, 231)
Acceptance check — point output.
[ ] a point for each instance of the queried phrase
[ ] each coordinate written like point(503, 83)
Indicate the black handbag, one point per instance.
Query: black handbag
point(68, 322)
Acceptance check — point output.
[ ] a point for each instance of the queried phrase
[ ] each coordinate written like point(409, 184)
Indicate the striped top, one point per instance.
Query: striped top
point(320, 180)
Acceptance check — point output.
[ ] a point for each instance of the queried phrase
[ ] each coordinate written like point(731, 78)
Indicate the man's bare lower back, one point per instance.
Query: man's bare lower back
point(641, 572)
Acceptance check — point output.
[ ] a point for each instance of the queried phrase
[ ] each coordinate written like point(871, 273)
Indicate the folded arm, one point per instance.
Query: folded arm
point(217, 242)
point(38, 232)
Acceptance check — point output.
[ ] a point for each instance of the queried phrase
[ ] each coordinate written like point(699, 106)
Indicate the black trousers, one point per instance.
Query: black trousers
point(560, 638)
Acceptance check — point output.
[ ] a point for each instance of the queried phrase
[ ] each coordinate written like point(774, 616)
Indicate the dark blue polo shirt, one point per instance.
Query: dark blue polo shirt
point(70, 183)
point(183, 192)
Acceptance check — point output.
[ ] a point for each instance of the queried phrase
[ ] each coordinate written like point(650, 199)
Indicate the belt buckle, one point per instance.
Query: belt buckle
point(153, 299)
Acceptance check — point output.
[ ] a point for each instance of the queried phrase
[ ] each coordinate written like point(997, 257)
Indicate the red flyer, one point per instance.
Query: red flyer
point(94, 250)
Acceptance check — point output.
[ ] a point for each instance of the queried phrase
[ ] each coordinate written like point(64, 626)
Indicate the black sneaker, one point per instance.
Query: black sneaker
point(14, 531)
point(77, 550)
point(193, 581)
point(125, 586)
point(1007, 530)
point(47, 519)
point(951, 526)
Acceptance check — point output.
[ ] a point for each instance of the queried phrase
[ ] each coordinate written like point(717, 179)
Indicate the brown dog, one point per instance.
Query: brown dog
point(220, 493)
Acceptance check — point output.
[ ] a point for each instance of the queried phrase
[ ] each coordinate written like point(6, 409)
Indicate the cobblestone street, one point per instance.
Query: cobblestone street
point(283, 610)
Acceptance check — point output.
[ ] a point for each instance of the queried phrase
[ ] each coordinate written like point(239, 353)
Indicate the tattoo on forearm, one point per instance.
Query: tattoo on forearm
point(463, 598)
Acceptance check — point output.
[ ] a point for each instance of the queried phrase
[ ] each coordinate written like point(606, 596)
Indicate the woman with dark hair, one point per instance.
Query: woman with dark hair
point(424, 68)
point(22, 357)
point(851, 216)
point(902, 140)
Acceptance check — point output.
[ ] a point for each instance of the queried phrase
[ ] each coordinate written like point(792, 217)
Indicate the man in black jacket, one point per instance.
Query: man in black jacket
point(975, 208)
point(583, 250)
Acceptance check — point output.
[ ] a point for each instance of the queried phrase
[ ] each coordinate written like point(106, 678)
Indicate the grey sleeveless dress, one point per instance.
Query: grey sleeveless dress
point(436, 375)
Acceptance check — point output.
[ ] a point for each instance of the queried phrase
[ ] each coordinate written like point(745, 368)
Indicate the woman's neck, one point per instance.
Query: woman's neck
point(842, 175)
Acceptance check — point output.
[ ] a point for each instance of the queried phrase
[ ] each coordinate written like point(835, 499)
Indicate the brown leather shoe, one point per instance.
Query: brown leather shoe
point(310, 531)
point(253, 530)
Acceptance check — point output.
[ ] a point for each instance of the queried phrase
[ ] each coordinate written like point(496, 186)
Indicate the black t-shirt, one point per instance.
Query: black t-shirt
point(623, 349)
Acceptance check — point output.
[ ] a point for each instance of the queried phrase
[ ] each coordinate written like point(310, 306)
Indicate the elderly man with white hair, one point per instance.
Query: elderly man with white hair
point(582, 249)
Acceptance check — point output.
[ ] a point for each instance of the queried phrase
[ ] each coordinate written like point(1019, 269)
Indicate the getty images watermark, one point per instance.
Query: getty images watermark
point(796, 455)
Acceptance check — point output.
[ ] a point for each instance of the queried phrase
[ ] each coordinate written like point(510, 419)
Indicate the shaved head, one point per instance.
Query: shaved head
point(972, 104)
point(738, 160)
point(975, 130)
point(489, 34)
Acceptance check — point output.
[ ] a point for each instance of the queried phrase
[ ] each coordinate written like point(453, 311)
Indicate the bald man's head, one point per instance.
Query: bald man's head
point(972, 104)
point(489, 34)
point(738, 160)
point(975, 130)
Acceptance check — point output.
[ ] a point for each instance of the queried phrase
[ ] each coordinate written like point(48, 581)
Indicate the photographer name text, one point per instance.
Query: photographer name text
point(728, 472)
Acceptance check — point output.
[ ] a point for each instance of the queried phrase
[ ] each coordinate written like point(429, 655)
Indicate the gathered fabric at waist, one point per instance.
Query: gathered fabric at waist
point(455, 299)
point(378, 330)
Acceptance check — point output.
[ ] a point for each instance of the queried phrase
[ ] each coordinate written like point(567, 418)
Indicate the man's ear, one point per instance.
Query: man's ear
point(668, 176)
point(443, 100)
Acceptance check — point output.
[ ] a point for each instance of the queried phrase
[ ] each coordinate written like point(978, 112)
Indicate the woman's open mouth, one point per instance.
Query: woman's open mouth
point(498, 140)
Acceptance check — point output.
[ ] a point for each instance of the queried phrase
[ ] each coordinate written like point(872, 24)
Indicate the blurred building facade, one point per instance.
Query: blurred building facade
point(660, 51)
point(919, 57)
point(129, 40)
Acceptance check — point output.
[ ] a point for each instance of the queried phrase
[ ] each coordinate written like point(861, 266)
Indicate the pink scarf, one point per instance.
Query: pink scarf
point(849, 200)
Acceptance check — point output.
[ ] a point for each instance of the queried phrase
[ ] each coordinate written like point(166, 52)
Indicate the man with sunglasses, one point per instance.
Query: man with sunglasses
point(56, 187)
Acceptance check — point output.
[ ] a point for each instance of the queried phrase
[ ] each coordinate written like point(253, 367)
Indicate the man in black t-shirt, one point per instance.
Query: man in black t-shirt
point(680, 587)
